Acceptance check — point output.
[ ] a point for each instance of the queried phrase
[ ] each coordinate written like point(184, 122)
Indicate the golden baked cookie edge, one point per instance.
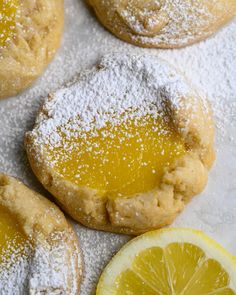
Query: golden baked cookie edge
point(25, 57)
point(40, 220)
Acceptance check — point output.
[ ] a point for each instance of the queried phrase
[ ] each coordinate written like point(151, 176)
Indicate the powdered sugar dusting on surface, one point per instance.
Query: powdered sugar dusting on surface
point(210, 65)
point(50, 271)
point(155, 22)
point(40, 269)
point(14, 271)
point(138, 84)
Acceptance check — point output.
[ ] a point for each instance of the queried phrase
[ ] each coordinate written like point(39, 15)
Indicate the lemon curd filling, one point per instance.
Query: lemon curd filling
point(13, 242)
point(121, 159)
point(8, 11)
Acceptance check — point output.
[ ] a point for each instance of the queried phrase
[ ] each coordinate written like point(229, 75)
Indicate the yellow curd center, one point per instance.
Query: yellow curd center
point(8, 10)
point(119, 160)
point(12, 239)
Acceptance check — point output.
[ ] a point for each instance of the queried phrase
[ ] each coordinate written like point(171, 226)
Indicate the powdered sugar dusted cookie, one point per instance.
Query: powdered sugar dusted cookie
point(163, 23)
point(126, 146)
point(39, 251)
point(30, 33)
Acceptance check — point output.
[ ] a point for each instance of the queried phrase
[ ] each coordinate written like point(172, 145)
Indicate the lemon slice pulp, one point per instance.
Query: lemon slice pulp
point(13, 242)
point(8, 10)
point(170, 262)
point(120, 160)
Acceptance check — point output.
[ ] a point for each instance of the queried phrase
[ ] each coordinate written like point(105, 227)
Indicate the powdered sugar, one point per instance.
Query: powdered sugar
point(163, 23)
point(14, 274)
point(50, 272)
point(210, 65)
point(211, 68)
point(138, 84)
point(42, 269)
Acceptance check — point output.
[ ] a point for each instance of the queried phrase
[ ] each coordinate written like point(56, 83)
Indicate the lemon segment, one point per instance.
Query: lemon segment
point(119, 160)
point(13, 241)
point(130, 283)
point(170, 262)
point(8, 11)
point(157, 278)
point(210, 277)
point(185, 259)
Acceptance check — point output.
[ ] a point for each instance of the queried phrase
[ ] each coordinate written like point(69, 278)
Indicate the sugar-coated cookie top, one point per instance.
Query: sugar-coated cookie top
point(39, 253)
point(163, 23)
point(127, 85)
point(31, 270)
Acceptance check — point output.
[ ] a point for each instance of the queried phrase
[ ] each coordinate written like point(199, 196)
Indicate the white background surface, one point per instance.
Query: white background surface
point(210, 65)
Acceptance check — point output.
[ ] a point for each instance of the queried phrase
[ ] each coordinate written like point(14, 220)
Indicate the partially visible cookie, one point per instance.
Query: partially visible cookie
point(125, 147)
point(163, 23)
point(30, 34)
point(39, 251)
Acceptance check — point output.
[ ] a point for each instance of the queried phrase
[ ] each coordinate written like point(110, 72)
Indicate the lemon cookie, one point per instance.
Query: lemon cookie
point(126, 146)
point(30, 33)
point(39, 252)
point(163, 23)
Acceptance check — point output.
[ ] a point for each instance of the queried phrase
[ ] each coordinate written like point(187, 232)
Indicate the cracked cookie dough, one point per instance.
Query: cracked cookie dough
point(39, 251)
point(125, 146)
point(163, 23)
point(30, 33)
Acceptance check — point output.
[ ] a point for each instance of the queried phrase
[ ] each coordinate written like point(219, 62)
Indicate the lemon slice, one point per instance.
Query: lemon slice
point(170, 262)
